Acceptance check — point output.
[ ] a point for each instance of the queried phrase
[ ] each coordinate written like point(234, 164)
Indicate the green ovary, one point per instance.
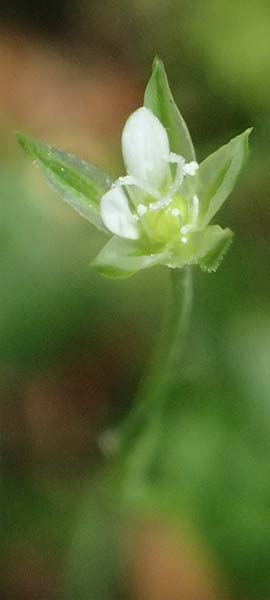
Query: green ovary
point(162, 226)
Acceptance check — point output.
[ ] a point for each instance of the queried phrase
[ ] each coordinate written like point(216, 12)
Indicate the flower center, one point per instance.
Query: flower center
point(164, 214)
point(171, 222)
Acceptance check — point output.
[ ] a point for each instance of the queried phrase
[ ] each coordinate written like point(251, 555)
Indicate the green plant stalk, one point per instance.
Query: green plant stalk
point(154, 393)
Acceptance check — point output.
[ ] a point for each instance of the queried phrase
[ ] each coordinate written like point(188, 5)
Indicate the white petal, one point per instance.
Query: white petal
point(145, 147)
point(116, 214)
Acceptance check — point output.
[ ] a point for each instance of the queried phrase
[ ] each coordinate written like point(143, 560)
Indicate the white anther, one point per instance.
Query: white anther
point(184, 240)
point(185, 229)
point(191, 168)
point(175, 212)
point(142, 210)
point(126, 180)
point(176, 158)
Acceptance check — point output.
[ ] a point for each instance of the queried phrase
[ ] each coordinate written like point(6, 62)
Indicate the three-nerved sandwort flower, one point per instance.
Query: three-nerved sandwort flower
point(159, 211)
point(147, 202)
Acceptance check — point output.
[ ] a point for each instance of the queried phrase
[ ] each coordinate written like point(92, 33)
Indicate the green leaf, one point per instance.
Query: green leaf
point(217, 175)
point(122, 258)
point(80, 184)
point(158, 98)
point(206, 248)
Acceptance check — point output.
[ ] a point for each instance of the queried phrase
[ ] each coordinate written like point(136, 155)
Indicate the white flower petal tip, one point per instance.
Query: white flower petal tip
point(117, 216)
point(145, 147)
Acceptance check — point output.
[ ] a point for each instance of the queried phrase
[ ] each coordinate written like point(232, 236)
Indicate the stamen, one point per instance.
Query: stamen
point(129, 180)
point(195, 205)
point(191, 168)
point(185, 229)
point(142, 210)
point(175, 212)
point(126, 180)
point(176, 158)
point(180, 172)
point(161, 204)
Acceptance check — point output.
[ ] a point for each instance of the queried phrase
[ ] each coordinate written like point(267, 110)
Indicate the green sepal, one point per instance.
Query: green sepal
point(206, 248)
point(217, 176)
point(80, 184)
point(121, 258)
point(211, 261)
point(158, 98)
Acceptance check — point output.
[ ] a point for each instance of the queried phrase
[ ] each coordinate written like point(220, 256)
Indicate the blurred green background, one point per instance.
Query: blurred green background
point(73, 346)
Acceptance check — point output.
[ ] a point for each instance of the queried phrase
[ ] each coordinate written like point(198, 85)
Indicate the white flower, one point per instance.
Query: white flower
point(154, 177)
point(161, 209)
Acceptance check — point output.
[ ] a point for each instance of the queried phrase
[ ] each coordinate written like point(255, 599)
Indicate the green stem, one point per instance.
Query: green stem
point(155, 391)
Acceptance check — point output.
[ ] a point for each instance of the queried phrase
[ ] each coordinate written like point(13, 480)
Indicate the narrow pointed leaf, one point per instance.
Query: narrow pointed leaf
point(158, 98)
point(217, 175)
point(80, 184)
point(122, 258)
point(206, 248)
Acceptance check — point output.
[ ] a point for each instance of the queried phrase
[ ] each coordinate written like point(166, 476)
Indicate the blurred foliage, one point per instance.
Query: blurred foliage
point(211, 463)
